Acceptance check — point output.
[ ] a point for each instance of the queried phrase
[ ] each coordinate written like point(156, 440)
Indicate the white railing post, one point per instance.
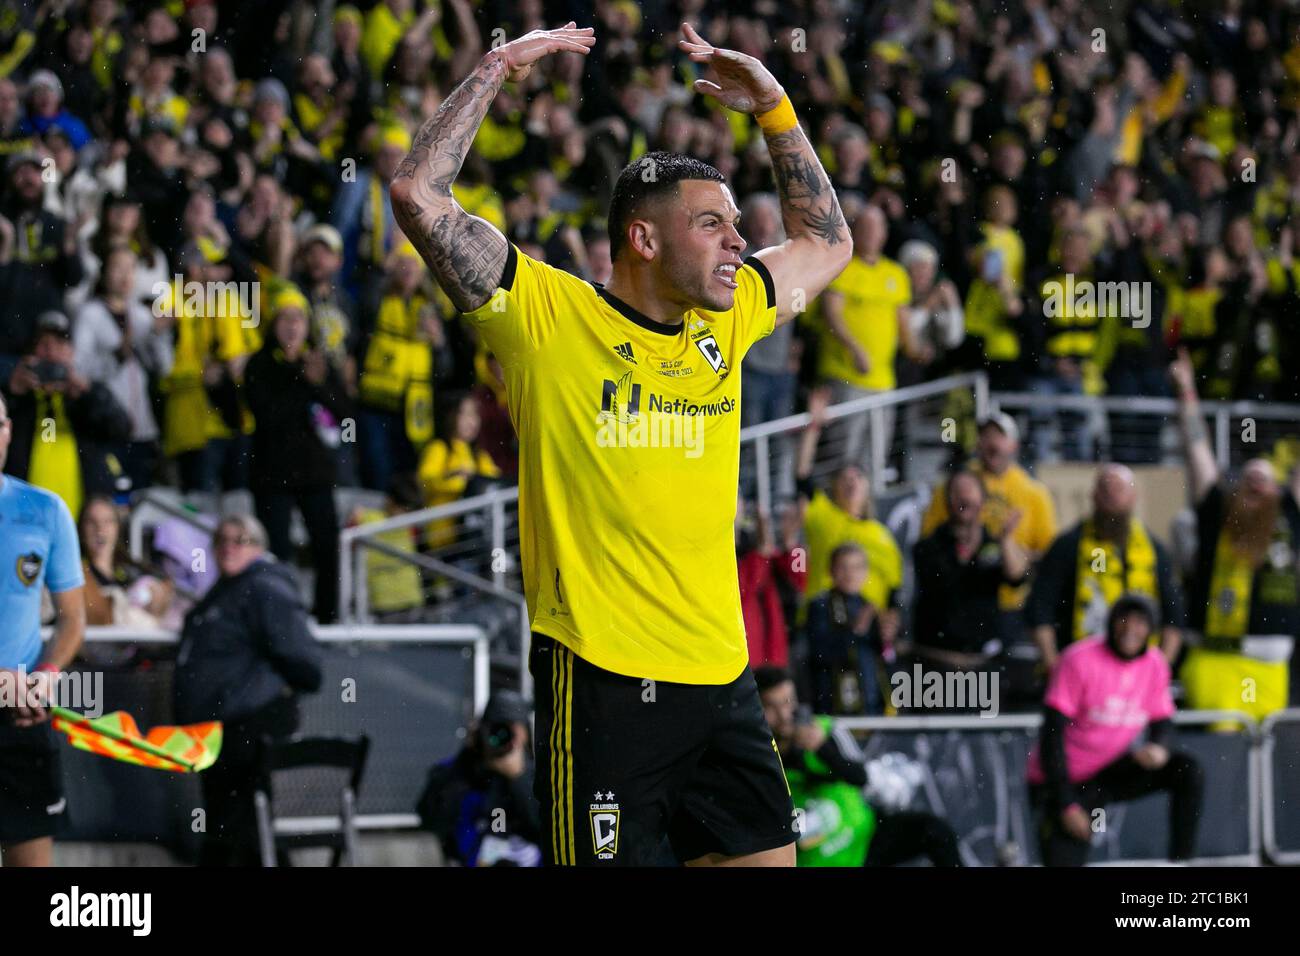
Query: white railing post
point(764, 474)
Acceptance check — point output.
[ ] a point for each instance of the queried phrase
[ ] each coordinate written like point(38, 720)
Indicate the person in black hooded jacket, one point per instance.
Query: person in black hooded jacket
point(245, 655)
point(299, 402)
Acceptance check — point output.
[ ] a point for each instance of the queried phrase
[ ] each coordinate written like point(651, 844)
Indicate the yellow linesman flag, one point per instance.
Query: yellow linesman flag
point(186, 749)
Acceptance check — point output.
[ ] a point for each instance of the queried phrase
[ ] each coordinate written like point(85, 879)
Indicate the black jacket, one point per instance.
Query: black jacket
point(97, 419)
point(245, 645)
point(288, 453)
point(460, 802)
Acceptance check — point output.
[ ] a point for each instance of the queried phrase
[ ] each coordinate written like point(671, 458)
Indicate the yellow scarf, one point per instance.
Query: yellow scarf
point(1105, 572)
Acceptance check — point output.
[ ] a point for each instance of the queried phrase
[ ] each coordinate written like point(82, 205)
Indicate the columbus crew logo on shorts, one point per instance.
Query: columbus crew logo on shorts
point(29, 568)
point(604, 825)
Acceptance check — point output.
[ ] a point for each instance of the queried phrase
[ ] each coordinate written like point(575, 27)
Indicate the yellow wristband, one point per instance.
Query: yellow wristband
point(778, 119)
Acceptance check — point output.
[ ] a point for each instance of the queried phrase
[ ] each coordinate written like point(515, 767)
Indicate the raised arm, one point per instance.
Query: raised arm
point(1202, 469)
point(465, 253)
point(817, 247)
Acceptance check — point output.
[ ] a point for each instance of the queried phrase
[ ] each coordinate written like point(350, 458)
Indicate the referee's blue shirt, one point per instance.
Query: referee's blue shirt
point(38, 548)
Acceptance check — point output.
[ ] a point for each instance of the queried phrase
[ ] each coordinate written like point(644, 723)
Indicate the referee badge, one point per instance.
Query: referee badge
point(29, 568)
point(604, 826)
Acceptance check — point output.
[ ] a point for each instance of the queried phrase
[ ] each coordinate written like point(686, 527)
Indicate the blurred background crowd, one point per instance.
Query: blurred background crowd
point(983, 150)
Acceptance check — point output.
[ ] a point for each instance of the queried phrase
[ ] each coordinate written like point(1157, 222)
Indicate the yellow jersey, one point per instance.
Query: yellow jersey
point(629, 457)
point(1013, 490)
point(827, 526)
point(872, 294)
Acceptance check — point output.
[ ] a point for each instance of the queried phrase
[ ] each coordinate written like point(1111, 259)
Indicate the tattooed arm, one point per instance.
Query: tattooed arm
point(465, 253)
point(818, 246)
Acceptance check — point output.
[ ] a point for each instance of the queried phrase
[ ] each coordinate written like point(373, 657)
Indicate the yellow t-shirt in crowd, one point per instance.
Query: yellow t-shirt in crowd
point(55, 464)
point(441, 483)
point(827, 526)
point(394, 584)
point(629, 456)
point(872, 294)
point(1014, 489)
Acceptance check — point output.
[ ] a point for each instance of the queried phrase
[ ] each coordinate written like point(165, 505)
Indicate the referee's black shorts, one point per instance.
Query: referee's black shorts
point(630, 769)
point(32, 804)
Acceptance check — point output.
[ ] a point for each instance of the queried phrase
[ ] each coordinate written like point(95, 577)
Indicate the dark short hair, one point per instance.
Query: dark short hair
point(963, 473)
point(633, 191)
point(769, 676)
point(848, 547)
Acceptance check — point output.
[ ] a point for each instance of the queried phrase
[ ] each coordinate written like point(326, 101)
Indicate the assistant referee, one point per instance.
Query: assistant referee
point(38, 549)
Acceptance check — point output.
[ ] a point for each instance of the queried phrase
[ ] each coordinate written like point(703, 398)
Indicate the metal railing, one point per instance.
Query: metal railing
point(473, 639)
point(499, 508)
point(1108, 415)
point(1258, 782)
point(1269, 784)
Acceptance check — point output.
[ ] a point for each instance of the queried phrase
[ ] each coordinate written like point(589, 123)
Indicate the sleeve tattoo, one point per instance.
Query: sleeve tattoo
point(809, 206)
point(465, 253)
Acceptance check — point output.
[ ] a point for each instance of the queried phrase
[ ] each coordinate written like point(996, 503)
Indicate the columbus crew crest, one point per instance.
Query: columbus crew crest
point(604, 825)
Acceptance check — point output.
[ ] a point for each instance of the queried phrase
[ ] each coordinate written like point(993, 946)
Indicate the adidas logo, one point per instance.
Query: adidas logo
point(625, 351)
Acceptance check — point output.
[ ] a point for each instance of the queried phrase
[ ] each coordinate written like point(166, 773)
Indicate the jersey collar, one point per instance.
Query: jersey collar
point(635, 316)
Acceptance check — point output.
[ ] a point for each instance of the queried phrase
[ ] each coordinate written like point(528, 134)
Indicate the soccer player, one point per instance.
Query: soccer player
point(38, 548)
point(626, 400)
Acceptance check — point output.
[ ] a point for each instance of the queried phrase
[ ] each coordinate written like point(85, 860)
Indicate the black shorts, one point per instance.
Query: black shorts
point(32, 804)
point(639, 773)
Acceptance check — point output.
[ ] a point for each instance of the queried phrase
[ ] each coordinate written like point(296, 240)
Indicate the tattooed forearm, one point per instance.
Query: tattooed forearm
point(809, 206)
point(465, 253)
point(439, 148)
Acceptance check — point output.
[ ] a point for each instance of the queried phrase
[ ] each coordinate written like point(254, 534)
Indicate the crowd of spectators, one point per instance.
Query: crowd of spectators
point(204, 288)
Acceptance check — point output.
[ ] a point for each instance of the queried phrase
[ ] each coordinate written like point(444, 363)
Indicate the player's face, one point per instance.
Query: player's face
point(703, 245)
point(779, 705)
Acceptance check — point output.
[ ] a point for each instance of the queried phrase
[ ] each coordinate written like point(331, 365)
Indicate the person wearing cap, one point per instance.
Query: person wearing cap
point(959, 571)
point(62, 424)
point(334, 328)
point(1244, 596)
point(45, 110)
point(406, 352)
point(1109, 553)
point(1008, 489)
point(300, 406)
point(479, 803)
point(38, 258)
point(1106, 692)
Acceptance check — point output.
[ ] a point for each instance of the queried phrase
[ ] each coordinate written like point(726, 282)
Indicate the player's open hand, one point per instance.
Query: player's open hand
point(521, 54)
point(738, 82)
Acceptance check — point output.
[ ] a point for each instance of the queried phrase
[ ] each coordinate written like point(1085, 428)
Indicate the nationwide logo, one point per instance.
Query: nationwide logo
point(629, 418)
point(625, 352)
